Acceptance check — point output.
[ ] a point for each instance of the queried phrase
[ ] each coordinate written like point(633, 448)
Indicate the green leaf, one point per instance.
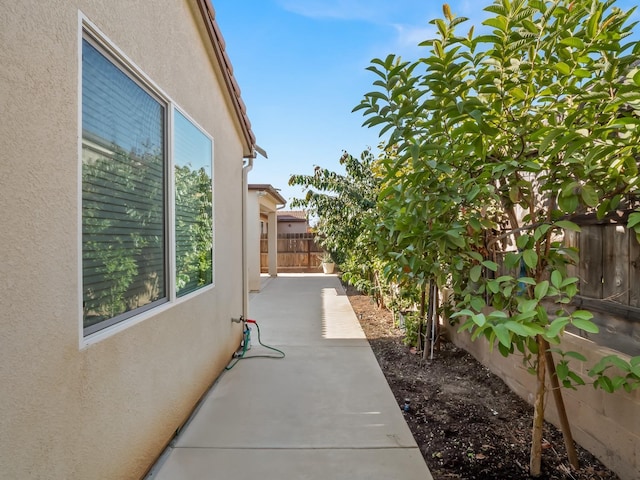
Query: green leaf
point(511, 260)
point(586, 325)
point(460, 313)
point(636, 78)
point(518, 93)
point(594, 20)
point(504, 337)
point(576, 378)
point(555, 327)
point(582, 314)
point(493, 266)
point(477, 303)
point(589, 196)
point(618, 362)
point(556, 278)
point(523, 241)
point(527, 305)
point(530, 258)
point(479, 319)
point(504, 351)
point(563, 68)
point(576, 355)
point(573, 42)
point(378, 95)
point(541, 289)
point(519, 329)
point(551, 136)
point(562, 370)
point(541, 231)
point(569, 281)
point(582, 73)
point(499, 22)
point(497, 315)
point(634, 219)
point(569, 203)
point(567, 225)
point(474, 274)
point(476, 255)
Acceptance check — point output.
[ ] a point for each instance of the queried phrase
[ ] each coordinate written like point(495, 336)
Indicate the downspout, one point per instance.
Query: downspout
point(246, 168)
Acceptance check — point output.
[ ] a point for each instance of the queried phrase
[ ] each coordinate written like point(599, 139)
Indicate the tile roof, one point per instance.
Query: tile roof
point(298, 215)
point(217, 41)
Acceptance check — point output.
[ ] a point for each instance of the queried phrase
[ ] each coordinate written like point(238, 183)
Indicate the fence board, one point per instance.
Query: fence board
point(634, 271)
point(615, 264)
point(590, 267)
point(296, 252)
point(572, 240)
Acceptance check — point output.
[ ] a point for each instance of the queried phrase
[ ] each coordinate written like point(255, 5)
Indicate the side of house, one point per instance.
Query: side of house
point(123, 144)
point(293, 221)
point(263, 201)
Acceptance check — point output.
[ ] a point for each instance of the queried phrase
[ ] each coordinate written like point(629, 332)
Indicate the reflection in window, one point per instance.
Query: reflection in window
point(123, 194)
point(193, 206)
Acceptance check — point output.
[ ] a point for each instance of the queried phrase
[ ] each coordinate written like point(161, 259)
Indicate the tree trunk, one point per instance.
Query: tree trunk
point(535, 460)
point(430, 320)
point(562, 412)
point(379, 294)
point(421, 341)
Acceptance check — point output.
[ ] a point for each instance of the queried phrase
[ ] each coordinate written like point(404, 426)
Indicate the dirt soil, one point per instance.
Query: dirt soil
point(466, 421)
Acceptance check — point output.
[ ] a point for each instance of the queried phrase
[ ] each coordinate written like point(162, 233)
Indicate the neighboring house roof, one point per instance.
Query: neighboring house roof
point(208, 13)
point(265, 187)
point(292, 216)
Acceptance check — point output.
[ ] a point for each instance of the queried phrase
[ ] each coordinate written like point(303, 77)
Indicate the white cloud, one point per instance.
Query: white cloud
point(335, 9)
point(411, 35)
point(408, 37)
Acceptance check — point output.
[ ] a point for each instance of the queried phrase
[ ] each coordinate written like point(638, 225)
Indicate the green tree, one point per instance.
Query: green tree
point(497, 142)
point(344, 205)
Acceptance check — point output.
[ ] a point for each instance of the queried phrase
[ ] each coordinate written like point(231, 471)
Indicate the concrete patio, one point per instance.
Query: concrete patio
point(323, 412)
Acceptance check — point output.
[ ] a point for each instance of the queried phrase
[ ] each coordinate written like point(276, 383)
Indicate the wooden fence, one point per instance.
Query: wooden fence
point(608, 273)
point(297, 252)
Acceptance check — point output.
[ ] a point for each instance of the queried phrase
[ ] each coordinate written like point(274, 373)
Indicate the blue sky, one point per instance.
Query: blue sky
point(301, 67)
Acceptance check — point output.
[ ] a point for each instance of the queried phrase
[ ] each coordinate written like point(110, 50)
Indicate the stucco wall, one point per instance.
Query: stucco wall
point(292, 227)
point(608, 425)
point(253, 240)
point(104, 411)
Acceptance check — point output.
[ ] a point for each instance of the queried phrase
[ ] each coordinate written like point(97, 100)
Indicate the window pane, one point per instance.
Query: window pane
point(194, 211)
point(123, 182)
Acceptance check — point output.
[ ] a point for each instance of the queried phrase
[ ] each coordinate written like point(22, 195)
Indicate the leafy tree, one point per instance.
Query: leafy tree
point(495, 143)
point(344, 205)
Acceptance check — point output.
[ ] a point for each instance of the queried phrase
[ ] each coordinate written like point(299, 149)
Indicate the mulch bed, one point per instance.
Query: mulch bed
point(467, 422)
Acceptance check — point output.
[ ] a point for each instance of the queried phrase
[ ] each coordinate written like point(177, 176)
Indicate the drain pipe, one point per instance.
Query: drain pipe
point(246, 168)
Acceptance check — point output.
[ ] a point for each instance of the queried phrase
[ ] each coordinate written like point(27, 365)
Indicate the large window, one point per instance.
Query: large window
point(125, 194)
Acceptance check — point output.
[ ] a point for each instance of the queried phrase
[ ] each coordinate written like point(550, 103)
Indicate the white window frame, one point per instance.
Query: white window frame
point(121, 60)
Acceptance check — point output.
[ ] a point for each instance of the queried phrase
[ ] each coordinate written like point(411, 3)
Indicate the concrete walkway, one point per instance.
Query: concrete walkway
point(325, 412)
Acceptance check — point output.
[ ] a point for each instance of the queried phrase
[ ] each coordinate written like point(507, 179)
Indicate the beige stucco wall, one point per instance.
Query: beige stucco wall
point(104, 411)
point(253, 240)
point(608, 425)
point(292, 227)
point(261, 208)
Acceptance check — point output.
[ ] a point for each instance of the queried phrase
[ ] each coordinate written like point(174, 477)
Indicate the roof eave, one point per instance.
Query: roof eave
point(217, 41)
